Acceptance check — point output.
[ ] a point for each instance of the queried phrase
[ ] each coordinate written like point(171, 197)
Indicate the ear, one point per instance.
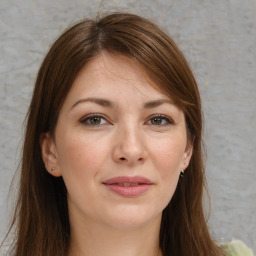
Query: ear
point(49, 154)
point(187, 155)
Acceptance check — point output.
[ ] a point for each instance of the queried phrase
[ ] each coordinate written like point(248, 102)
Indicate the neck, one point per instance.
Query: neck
point(90, 238)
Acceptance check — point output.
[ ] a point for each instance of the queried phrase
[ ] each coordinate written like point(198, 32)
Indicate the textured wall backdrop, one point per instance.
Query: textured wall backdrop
point(219, 40)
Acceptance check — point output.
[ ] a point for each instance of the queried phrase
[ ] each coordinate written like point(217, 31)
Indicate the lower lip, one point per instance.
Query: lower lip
point(130, 191)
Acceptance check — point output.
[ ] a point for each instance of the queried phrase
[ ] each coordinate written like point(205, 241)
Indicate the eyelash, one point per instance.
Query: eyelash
point(90, 117)
point(167, 119)
point(87, 118)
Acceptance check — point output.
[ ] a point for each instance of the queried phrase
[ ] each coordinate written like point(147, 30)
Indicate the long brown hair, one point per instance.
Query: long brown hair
point(41, 216)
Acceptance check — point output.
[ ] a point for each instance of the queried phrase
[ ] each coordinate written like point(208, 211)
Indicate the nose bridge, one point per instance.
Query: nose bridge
point(130, 147)
point(131, 137)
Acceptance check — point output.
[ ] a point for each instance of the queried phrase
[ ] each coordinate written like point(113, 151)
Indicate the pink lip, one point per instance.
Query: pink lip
point(128, 186)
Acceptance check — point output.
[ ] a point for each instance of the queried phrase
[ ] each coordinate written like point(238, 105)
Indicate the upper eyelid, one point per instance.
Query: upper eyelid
point(162, 116)
point(92, 115)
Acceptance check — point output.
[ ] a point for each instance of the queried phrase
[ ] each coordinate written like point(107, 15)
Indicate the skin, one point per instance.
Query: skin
point(126, 138)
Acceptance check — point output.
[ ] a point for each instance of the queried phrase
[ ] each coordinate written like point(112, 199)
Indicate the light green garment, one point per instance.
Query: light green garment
point(237, 248)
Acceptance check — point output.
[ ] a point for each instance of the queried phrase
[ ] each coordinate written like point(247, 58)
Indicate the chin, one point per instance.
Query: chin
point(132, 217)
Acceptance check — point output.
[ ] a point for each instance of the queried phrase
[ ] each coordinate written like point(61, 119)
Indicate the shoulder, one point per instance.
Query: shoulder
point(236, 248)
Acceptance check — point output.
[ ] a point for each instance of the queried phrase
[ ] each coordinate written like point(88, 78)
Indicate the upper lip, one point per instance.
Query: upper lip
point(127, 179)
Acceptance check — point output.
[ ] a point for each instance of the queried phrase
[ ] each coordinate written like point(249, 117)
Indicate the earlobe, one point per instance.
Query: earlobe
point(49, 154)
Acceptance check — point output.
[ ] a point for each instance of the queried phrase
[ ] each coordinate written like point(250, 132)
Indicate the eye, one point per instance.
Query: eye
point(160, 120)
point(93, 120)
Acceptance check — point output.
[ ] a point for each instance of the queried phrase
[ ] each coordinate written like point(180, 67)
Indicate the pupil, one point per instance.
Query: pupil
point(95, 120)
point(157, 121)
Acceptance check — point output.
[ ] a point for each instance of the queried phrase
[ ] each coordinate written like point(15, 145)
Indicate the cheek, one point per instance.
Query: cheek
point(168, 155)
point(75, 155)
point(79, 162)
point(82, 155)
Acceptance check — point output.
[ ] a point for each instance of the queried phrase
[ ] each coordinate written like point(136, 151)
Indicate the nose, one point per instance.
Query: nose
point(129, 147)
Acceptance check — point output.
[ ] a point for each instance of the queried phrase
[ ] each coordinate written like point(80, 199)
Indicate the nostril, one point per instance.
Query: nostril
point(122, 158)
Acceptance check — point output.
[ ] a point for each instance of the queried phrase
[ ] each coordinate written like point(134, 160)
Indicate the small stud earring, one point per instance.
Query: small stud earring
point(182, 173)
point(53, 168)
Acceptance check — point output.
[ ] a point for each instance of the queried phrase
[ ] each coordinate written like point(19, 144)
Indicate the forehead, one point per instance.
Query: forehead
point(114, 67)
point(114, 76)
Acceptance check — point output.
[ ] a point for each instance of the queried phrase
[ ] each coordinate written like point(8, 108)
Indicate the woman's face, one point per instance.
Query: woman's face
point(119, 145)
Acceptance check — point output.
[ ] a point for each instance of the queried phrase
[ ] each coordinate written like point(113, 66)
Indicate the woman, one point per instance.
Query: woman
point(112, 158)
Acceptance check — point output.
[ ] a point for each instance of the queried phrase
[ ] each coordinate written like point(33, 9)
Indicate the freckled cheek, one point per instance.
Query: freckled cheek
point(78, 156)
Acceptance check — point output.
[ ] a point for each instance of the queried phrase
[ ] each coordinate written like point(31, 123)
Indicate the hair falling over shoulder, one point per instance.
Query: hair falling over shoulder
point(41, 222)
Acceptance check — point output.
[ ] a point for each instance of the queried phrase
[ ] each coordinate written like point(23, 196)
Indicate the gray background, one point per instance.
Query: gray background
point(219, 40)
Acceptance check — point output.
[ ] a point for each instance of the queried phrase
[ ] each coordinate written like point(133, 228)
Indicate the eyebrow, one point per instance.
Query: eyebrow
point(108, 103)
point(156, 103)
point(99, 101)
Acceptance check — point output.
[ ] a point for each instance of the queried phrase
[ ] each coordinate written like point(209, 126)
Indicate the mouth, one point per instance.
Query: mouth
point(128, 186)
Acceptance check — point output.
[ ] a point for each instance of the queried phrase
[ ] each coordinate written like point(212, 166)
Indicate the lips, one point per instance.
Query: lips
point(128, 186)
